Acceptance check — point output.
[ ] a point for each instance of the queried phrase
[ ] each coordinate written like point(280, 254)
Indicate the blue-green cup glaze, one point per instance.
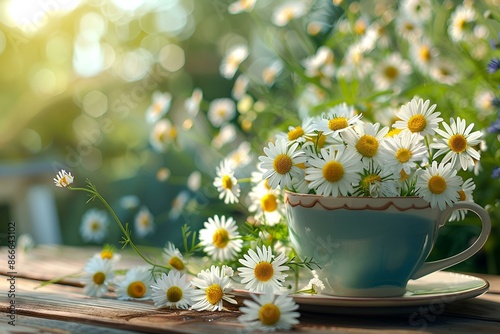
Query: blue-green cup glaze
point(371, 247)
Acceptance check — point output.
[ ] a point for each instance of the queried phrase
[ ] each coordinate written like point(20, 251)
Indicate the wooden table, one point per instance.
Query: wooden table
point(63, 308)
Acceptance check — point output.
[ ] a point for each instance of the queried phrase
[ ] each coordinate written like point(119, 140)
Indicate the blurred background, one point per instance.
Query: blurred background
point(78, 78)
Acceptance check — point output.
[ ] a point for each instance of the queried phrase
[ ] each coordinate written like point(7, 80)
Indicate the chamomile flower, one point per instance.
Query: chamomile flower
point(337, 119)
point(265, 204)
point(179, 203)
point(439, 185)
point(192, 104)
point(267, 312)
point(220, 238)
point(391, 72)
point(221, 111)
point(301, 133)
point(271, 72)
point(377, 181)
point(94, 226)
point(241, 6)
point(289, 11)
point(234, 57)
point(108, 253)
point(172, 291)
point(136, 284)
point(366, 141)
point(462, 22)
point(159, 107)
point(227, 185)
point(173, 257)
point(313, 287)
point(212, 286)
point(240, 87)
point(445, 71)
point(280, 163)
point(465, 194)
point(63, 179)
point(262, 269)
point(423, 54)
point(334, 172)
point(320, 65)
point(408, 28)
point(144, 222)
point(97, 275)
point(402, 152)
point(420, 10)
point(241, 156)
point(418, 117)
point(457, 144)
point(162, 135)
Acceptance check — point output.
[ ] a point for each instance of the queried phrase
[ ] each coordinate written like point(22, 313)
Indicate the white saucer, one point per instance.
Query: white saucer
point(433, 290)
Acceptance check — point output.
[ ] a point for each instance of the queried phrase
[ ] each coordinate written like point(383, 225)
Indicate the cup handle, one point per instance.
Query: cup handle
point(429, 267)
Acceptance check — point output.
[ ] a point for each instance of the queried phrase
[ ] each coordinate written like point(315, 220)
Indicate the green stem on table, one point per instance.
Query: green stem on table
point(127, 240)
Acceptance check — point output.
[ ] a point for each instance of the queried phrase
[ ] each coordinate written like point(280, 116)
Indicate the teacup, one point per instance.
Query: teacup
point(372, 247)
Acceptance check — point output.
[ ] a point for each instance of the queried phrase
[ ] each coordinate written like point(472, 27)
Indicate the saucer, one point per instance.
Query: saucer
point(433, 291)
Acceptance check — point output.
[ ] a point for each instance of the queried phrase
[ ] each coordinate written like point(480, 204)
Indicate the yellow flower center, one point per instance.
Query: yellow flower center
point(391, 72)
point(367, 145)
point(333, 171)
point(295, 133)
point(417, 123)
point(457, 143)
point(461, 23)
point(269, 314)
point(263, 271)
point(403, 155)
point(226, 182)
point(99, 278)
point(106, 254)
point(369, 180)
point(403, 176)
point(176, 263)
point(282, 164)
point(393, 132)
point(220, 238)
point(409, 26)
point(269, 203)
point(174, 294)
point(95, 226)
point(337, 123)
point(461, 195)
point(136, 289)
point(214, 294)
point(437, 184)
point(359, 27)
point(425, 53)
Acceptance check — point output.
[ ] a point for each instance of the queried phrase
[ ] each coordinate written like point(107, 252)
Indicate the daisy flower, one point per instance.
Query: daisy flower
point(220, 238)
point(366, 141)
point(423, 54)
point(402, 153)
point(108, 253)
point(461, 24)
point(241, 156)
point(179, 203)
point(213, 286)
point(313, 287)
point(301, 133)
point(226, 135)
point(261, 269)
point(289, 11)
point(172, 291)
point(420, 10)
point(162, 135)
point(241, 6)
point(439, 185)
point(136, 284)
point(227, 185)
point(240, 87)
point(94, 226)
point(192, 104)
point(173, 257)
point(268, 312)
point(417, 117)
point(129, 202)
point(320, 65)
point(159, 107)
point(391, 72)
point(337, 119)
point(445, 71)
point(408, 28)
point(97, 275)
point(457, 144)
point(265, 203)
point(234, 57)
point(280, 163)
point(144, 222)
point(220, 111)
point(269, 73)
point(465, 194)
point(63, 179)
point(377, 182)
point(334, 172)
